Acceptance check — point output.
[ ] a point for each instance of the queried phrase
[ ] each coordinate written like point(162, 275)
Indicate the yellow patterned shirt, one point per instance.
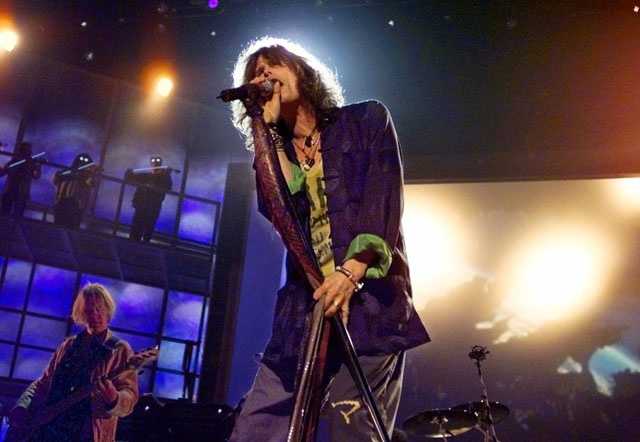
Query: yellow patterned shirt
point(314, 185)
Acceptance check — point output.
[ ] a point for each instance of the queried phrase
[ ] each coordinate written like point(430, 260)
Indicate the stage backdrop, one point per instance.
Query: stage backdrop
point(64, 111)
point(545, 275)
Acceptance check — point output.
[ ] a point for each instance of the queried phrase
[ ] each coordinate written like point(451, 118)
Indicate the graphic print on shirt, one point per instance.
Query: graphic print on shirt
point(319, 219)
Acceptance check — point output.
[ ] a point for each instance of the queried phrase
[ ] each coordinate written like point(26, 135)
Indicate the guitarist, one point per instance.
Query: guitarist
point(343, 171)
point(79, 361)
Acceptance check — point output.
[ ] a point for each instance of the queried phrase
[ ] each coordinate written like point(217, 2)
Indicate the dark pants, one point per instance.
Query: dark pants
point(67, 213)
point(144, 222)
point(267, 407)
point(13, 203)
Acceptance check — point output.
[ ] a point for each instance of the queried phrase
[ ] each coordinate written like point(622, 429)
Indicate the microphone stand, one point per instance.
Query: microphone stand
point(479, 353)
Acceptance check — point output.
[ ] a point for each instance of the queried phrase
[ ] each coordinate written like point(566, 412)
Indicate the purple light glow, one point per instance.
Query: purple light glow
point(213, 4)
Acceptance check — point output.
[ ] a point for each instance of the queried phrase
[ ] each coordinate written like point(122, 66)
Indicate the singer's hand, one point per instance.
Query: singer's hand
point(271, 108)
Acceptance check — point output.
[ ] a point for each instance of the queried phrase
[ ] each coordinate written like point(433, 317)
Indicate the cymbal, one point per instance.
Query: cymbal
point(440, 423)
point(498, 411)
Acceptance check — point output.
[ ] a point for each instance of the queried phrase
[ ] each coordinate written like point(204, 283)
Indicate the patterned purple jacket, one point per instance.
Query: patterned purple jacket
point(363, 185)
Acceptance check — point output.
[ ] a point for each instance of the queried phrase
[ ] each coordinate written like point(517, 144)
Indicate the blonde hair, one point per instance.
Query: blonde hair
point(95, 291)
point(318, 84)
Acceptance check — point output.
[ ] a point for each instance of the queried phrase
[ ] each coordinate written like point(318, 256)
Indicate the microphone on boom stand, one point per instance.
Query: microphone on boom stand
point(248, 91)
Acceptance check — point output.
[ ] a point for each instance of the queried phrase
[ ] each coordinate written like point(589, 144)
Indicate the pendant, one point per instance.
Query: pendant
point(308, 164)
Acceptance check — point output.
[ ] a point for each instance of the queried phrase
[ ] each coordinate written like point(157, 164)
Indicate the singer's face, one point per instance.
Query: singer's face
point(283, 74)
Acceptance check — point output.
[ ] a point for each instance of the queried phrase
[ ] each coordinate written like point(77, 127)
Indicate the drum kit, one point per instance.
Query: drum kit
point(450, 422)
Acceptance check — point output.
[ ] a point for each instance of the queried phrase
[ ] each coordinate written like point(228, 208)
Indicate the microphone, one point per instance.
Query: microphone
point(249, 90)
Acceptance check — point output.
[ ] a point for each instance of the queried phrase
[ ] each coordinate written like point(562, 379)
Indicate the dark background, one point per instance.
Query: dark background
point(457, 76)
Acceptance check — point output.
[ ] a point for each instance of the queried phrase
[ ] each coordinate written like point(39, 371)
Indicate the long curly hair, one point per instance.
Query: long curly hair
point(318, 85)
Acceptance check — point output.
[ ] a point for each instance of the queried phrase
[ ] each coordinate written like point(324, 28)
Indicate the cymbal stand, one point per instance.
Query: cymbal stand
point(485, 419)
point(441, 420)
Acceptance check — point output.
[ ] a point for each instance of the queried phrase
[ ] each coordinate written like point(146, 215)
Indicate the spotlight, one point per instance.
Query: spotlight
point(89, 56)
point(626, 193)
point(164, 86)
point(391, 23)
point(636, 9)
point(8, 39)
point(212, 33)
point(213, 4)
point(83, 24)
point(555, 273)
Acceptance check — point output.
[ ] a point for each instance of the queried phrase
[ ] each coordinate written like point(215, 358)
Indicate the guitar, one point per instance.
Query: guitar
point(49, 413)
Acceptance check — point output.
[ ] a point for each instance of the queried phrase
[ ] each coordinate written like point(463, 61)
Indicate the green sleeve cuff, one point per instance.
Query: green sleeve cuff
point(368, 241)
point(297, 182)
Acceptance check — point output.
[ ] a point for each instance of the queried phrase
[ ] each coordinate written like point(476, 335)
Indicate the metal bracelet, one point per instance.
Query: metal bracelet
point(278, 141)
point(349, 274)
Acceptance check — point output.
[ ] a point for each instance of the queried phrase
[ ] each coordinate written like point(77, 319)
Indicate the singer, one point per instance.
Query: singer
point(343, 170)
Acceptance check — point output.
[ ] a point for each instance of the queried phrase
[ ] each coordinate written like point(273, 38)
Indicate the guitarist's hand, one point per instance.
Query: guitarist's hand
point(19, 417)
point(106, 392)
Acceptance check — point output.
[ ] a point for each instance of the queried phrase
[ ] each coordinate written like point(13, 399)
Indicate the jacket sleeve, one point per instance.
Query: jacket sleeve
point(38, 390)
point(368, 242)
point(126, 384)
point(381, 204)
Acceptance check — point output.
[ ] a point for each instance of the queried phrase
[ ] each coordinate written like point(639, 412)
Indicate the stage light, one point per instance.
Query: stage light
point(164, 86)
point(391, 23)
point(8, 39)
point(83, 24)
point(626, 193)
point(213, 4)
point(554, 274)
point(636, 9)
point(213, 33)
point(438, 245)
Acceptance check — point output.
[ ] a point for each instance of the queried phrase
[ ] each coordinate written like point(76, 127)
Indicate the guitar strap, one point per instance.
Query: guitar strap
point(112, 342)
